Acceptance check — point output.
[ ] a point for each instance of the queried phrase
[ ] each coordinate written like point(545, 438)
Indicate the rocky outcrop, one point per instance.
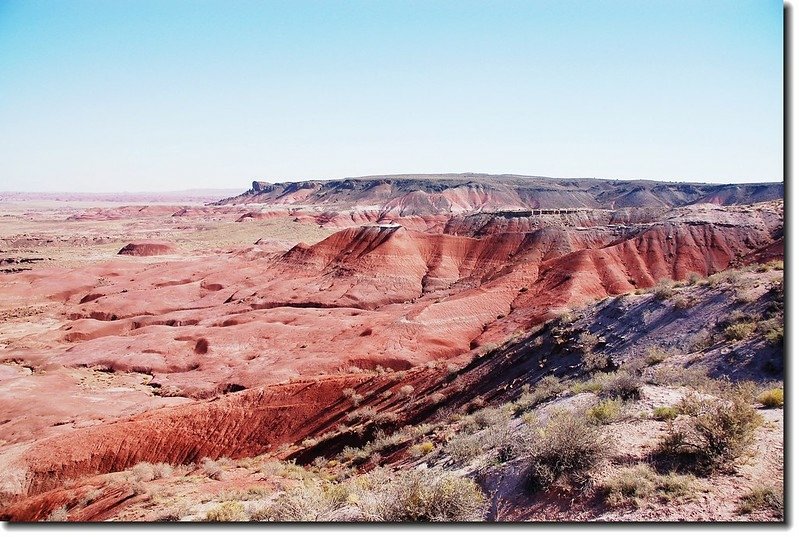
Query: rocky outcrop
point(147, 249)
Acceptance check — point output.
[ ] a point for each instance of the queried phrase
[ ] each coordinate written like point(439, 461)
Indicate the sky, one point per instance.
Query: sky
point(139, 95)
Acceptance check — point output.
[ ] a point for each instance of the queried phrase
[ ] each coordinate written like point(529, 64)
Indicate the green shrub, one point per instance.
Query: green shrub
point(714, 434)
point(606, 411)
point(739, 331)
point(226, 512)
point(592, 385)
point(773, 330)
point(665, 413)
point(421, 449)
point(567, 446)
point(772, 398)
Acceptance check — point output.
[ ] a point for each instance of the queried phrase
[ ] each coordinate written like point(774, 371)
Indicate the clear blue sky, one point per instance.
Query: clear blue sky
point(165, 95)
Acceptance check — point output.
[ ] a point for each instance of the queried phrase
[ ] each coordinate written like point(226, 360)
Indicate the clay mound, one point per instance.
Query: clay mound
point(147, 249)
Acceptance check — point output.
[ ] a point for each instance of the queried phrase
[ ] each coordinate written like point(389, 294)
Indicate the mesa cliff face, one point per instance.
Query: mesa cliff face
point(405, 195)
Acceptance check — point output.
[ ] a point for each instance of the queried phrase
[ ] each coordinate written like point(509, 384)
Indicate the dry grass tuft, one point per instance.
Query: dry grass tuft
point(640, 483)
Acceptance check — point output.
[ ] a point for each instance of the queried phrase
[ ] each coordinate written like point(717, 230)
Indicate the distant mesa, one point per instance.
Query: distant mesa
point(147, 248)
point(424, 194)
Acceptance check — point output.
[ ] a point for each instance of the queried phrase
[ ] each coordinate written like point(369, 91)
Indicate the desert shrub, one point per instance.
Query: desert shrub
point(464, 447)
point(730, 278)
point(90, 497)
point(664, 413)
point(354, 397)
point(437, 398)
point(361, 415)
point(308, 502)
point(641, 482)
point(565, 317)
point(738, 331)
point(163, 470)
point(623, 384)
point(606, 411)
point(664, 289)
point(309, 442)
point(680, 376)
point(714, 434)
point(427, 495)
point(567, 446)
point(592, 385)
point(744, 295)
point(212, 468)
point(513, 443)
point(690, 405)
point(173, 513)
point(381, 441)
point(388, 417)
point(146, 471)
point(772, 398)
point(546, 388)
point(655, 355)
point(702, 340)
point(761, 498)
point(594, 361)
point(773, 330)
point(143, 471)
point(350, 453)
point(777, 264)
point(485, 418)
point(226, 512)
point(694, 278)
point(406, 390)
point(684, 302)
point(586, 341)
point(59, 514)
point(421, 449)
